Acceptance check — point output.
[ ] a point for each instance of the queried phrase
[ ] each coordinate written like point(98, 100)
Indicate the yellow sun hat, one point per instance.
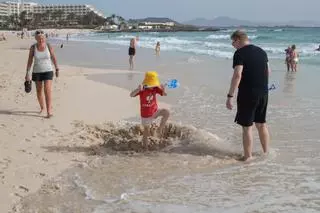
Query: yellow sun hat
point(151, 79)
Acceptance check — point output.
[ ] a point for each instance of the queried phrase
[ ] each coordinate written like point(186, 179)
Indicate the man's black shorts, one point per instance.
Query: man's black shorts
point(251, 109)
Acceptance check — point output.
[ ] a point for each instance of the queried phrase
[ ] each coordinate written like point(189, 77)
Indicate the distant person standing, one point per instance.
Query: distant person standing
point(132, 52)
point(68, 36)
point(288, 58)
point(251, 74)
point(294, 58)
point(157, 49)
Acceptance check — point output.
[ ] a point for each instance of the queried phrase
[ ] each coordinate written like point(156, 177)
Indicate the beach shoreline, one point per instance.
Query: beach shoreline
point(24, 164)
point(198, 175)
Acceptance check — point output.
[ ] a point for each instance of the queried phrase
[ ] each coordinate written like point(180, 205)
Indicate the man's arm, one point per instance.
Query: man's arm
point(236, 78)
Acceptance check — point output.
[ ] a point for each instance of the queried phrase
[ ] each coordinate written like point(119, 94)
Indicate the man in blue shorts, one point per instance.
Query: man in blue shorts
point(251, 74)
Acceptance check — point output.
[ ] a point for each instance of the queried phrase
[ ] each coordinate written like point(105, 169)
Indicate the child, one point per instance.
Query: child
point(148, 103)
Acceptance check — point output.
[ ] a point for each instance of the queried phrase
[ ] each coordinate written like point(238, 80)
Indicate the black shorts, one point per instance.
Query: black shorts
point(132, 51)
point(42, 76)
point(251, 109)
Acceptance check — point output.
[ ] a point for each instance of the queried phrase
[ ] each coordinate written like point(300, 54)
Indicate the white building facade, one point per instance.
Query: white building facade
point(77, 10)
point(3, 9)
point(10, 7)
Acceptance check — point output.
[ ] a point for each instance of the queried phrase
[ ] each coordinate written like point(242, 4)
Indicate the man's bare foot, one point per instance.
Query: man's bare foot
point(41, 111)
point(49, 115)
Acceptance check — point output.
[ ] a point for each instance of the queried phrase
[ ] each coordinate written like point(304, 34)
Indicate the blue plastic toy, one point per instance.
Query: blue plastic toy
point(172, 84)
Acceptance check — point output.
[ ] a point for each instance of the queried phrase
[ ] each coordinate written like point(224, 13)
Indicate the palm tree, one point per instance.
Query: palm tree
point(110, 20)
point(113, 16)
point(23, 19)
point(60, 14)
point(121, 19)
point(90, 18)
point(13, 20)
point(54, 15)
point(71, 18)
point(47, 15)
point(37, 18)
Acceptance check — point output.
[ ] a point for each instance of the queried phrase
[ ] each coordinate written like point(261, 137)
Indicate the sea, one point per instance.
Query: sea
point(201, 174)
point(217, 44)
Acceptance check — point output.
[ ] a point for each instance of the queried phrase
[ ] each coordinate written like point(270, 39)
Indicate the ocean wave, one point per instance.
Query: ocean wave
point(204, 43)
point(217, 45)
point(218, 36)
point(221, 37)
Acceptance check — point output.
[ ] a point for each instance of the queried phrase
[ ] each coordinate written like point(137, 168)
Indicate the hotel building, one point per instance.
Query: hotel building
point(10, 7)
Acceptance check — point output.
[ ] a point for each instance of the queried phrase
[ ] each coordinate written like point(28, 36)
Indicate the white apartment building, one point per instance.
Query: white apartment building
point(78, 10)
point(3, 9)
point(15, 7)
point(3, 12)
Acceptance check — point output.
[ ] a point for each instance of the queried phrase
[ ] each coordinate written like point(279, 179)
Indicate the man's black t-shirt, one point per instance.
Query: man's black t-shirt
point(254, 80)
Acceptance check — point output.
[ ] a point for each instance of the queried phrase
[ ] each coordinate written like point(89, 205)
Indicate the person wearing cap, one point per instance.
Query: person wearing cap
point(148, 103)
point(41, 55)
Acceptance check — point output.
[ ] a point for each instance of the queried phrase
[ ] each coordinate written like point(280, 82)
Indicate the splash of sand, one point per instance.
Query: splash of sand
point(127, 136)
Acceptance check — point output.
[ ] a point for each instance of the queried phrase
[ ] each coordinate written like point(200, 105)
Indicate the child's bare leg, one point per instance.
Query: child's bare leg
point(146, 134)
point(164, 113)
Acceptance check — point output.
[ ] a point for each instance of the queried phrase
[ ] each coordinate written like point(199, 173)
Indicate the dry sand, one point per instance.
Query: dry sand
point(24, 164)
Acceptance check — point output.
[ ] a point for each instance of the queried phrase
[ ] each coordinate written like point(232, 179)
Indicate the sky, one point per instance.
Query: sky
point(185, 10)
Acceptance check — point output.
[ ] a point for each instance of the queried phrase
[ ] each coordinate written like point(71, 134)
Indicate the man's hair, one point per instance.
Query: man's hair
point(239, 35)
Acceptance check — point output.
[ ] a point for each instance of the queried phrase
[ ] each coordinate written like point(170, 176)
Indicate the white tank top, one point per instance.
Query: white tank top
point(42, 60)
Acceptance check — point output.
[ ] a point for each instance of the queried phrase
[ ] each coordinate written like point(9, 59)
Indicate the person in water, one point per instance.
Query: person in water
point(149, 106)
point(294, 58)
point(250, 76)
point(157, 49)
point(288, 58)
point(318, 49)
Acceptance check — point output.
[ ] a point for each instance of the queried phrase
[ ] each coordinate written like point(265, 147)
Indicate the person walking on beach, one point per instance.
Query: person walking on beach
point(148, 104)
point(132, 52)
point(251, 74)
point(294, 58)
point(43, 56)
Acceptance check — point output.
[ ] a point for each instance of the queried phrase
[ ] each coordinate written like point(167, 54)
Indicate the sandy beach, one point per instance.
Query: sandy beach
point(24, 165)
point(75, 162)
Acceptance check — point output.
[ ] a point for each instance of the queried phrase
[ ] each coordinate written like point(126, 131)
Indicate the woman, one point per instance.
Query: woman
point(294, 58)
point(42, 74)
point(132, 52)
point(157, 49)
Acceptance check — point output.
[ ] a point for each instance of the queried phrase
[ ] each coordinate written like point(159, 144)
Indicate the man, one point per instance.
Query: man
point(251, 73)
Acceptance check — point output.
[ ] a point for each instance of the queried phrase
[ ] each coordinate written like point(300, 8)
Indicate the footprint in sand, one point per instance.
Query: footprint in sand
point(5, 163)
